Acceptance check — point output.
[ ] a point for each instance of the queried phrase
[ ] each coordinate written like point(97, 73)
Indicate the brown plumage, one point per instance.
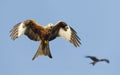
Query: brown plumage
point(35, 32)
point(95, 60)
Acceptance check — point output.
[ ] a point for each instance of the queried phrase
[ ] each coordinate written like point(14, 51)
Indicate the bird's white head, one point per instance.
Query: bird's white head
point(49, 26)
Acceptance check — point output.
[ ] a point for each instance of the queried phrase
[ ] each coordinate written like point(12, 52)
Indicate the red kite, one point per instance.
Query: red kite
point(95, 60)
point(36, 32)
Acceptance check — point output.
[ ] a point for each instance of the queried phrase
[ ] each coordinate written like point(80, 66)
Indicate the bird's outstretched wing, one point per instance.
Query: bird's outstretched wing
point(106, 60)
point(92, 58)
point(29, 28)
point(61, 29)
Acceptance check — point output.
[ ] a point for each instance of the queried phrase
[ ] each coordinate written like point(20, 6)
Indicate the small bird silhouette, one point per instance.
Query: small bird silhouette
point(95, 60)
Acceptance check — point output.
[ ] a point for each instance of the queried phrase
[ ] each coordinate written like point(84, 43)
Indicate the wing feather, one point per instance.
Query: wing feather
point(28, 28)
point(106, 60)
point(17, 31)
point(61, 29)
point(71, 35)
point(92, 58)
point(32, 35)
point(75, 37)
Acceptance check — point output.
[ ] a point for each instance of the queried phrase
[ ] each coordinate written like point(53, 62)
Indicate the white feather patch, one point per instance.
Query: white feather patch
point(21, 29)
point(65, 34)
point(49, 25)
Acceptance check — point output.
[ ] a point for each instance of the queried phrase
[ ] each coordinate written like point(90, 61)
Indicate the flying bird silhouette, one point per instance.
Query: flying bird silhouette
point(95, 60)
point(36, 32)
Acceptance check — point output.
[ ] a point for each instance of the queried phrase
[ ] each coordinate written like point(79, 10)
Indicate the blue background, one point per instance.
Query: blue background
point(97, 23)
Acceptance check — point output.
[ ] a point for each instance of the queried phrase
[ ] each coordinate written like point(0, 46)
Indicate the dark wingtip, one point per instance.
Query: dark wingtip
point(87, 56)
point(33, 58)
point(50, 56)
point(107, 61)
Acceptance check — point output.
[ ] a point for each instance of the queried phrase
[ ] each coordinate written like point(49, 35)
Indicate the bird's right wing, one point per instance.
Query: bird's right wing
point(28, 28)
point(106, 60)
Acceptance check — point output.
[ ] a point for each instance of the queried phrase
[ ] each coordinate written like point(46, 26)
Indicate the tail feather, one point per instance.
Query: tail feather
point(43, 50)
point(47, 51)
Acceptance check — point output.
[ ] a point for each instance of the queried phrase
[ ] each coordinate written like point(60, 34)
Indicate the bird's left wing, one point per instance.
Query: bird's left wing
point(61, 29)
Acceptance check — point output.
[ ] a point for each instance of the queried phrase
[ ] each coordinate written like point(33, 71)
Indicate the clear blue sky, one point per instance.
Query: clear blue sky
point(96, 21)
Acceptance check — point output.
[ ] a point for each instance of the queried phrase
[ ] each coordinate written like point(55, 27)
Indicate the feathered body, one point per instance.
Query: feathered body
point(36, 32)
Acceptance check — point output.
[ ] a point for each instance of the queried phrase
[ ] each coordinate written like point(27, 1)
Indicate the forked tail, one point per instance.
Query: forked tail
point(43, 50)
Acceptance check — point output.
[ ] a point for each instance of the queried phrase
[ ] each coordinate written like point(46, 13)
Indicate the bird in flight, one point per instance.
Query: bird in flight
point(37, 32)
point(95, 60)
